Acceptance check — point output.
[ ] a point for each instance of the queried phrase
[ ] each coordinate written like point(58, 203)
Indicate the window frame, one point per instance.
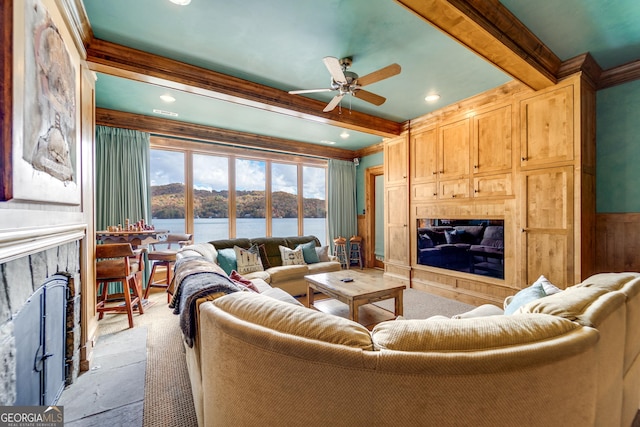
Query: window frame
point(189, 148)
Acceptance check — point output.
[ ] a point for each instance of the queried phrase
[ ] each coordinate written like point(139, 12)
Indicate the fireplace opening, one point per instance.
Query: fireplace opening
point(40, 344)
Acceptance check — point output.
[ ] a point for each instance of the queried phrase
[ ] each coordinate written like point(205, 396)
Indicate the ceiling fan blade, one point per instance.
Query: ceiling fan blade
point(333, 103)
point(297, 92)
point(369, 97)
point(335, 69)
point(381, 74)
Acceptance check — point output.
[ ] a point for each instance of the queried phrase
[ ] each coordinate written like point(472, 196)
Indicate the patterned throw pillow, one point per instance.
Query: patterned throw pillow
point(291, 256)
point(248, 259)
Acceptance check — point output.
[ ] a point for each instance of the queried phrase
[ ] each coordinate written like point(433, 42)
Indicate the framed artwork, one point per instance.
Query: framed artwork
point(44, 143)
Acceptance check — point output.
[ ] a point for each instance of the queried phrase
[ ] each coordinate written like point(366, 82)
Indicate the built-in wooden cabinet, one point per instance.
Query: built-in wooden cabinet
point(396, 209)
point(547, 126)
point(513, 154)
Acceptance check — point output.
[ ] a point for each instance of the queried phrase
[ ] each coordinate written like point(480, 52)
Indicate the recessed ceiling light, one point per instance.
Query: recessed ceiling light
point(181, 2)
point(432, 98)
point(167, 98)
point(326, 141)
point(165, 113)
point(344, 134)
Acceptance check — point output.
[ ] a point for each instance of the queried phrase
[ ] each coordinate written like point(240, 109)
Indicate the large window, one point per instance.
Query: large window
point(168, 190)
point(228, 192)
point(210, 197)
point(284, 199)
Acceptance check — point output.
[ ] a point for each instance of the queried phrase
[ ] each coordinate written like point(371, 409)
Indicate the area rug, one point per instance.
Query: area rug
point(420, 305)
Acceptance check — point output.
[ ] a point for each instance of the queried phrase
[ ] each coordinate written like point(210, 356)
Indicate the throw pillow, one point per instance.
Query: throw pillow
point(532, 293)
point(323, 253)
point(291, 256)
point(227, 260)
point(263, 256)
point(238, 279)
point(248, 259)
point(549, 288)
point(309, 252)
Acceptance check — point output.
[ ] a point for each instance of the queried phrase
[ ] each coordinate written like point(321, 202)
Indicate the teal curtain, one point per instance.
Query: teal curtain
point(123, 179)
point(342, 209)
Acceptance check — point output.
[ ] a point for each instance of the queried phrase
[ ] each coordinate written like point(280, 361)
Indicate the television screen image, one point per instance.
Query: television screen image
point(473, 246)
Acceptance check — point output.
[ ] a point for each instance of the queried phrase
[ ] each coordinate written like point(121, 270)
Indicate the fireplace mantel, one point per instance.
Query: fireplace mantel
point(19, 242)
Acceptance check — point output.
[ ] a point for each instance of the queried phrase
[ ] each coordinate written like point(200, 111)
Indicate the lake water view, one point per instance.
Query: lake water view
point(207, 229)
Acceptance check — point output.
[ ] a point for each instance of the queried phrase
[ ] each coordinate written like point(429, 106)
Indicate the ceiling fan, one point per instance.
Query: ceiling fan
point(348, 82)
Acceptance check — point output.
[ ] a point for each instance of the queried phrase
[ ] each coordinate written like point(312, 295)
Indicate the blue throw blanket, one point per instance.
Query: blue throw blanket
point(195, 278)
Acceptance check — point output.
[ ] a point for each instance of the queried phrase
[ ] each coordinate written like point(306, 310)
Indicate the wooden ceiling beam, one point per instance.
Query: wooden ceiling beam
point(488, 28)
point(122, 61)
point(174, 128)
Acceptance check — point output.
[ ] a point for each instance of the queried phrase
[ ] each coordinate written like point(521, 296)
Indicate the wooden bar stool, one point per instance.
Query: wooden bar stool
point(340, 251)
point(165, 259)
point(119, 263)
point(355, 251)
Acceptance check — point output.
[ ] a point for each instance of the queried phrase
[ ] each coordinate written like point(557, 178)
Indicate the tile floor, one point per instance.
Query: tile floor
point(112, 392)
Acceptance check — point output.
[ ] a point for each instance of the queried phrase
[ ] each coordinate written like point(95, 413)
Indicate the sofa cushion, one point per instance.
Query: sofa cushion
point(259, 275)
point(294, 241)
point(570, 304)
point(295, 320)
point(309, 252)
point(291, 256)
point(248, 260)
point(289, 272)
point(468, 334)
point(481, 311)
point(230, 243)
point(227, 260)
point(493, 236)
point(324, 267)
point(271, 248)
point(281, 295)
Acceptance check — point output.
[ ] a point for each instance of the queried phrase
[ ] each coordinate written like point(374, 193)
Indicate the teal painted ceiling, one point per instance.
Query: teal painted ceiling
point(281, 43)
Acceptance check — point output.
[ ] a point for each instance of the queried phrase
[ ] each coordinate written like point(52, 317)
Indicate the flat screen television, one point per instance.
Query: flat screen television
point(474, 246)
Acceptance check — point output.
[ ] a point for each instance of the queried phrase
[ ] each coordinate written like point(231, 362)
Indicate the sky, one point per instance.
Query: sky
point(211, 173)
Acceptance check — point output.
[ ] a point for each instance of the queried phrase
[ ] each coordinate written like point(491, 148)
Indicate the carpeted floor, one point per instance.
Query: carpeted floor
point(168, 401)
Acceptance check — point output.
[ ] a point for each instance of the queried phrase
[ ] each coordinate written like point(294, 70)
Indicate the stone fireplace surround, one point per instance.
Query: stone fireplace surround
point(19, 279)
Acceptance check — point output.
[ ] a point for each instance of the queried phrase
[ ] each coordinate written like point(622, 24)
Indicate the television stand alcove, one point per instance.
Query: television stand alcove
point(522, 157)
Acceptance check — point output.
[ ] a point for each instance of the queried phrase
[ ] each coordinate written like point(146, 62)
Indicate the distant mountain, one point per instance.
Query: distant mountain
point(168, 202)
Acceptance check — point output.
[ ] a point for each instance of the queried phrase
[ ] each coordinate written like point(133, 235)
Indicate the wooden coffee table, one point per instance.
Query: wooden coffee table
point(364, 289)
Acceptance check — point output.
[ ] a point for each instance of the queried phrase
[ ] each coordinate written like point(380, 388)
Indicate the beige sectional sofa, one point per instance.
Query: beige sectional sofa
point(569, 359)
point(289, 278)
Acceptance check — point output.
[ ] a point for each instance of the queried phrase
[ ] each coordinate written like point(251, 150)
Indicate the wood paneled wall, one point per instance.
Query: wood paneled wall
point(617, 242)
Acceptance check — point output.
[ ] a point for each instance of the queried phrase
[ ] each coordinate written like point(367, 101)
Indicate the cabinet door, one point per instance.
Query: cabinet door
point(397, 230)
point(492, 141)
point(426, 191)
point(547, 198)
point(453, 150)
point(424, 163)
point(454, 189)
point(547, 128)
point(396, 163)
point(492, 185)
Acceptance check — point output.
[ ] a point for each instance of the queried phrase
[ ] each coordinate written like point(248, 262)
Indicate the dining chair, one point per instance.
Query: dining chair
point(118, 262)
point(165, 258)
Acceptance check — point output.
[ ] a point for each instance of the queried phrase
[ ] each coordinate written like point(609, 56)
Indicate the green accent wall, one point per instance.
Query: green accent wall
point(376, 159)
point(618, 149)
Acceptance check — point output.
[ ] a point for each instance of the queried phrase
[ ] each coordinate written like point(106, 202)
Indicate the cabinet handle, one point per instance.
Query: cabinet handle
point(524, 159)
point(404, 176)
point(434, 173)
point(475, 166)
point(442, 171)
point(524, 230)
point(435, 194)
point(476, 191)
point(453, 195)
point(404, 225)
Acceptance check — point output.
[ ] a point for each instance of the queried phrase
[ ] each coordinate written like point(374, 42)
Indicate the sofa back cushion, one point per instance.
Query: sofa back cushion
point(271, 248)
point(230, 243)
point(466, 335)
point(297, 320)
point(493, 236)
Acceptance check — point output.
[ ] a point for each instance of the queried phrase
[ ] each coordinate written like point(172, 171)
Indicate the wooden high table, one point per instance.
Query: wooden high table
point(364, 289)
point(136, 238)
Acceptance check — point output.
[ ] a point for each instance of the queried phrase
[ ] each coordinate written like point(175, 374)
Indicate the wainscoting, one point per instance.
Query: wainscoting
point(618, 242)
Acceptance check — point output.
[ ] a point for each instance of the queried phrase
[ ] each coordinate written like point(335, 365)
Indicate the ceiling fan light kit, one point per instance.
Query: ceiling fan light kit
point(349, 83)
